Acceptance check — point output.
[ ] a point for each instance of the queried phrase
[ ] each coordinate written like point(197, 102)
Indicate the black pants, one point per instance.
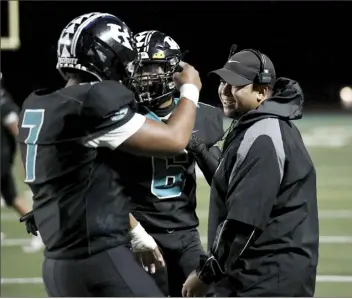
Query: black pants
point(111, 273)
point(181, 250)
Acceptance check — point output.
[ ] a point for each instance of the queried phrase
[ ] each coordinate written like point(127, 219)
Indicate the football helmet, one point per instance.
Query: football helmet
point(99, 44)
point(158, 58)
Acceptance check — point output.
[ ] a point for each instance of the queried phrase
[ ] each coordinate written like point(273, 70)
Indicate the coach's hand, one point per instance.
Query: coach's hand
point(194, 287)
point(29, 220)
point(146, 249)
point(189, 75)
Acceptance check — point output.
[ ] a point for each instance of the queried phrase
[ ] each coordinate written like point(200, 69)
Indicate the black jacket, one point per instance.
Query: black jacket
point(266, 179)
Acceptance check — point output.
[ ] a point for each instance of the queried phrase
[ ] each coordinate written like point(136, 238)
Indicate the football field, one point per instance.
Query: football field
point(329, 141)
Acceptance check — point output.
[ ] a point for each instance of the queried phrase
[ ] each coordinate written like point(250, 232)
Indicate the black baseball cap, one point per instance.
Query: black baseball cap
point(243, 67)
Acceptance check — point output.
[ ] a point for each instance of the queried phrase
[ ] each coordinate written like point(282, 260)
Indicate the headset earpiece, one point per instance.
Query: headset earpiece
point(264, 76)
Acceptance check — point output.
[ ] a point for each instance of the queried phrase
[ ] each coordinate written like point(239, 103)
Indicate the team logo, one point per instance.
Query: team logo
point(120, 35)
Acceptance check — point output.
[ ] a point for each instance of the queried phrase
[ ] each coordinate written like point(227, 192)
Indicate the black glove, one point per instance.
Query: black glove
point(207, 160)
point(195, 145)
point(31, 227)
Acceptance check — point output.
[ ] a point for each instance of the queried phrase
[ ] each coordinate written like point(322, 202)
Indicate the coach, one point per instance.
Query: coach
point(263, 221)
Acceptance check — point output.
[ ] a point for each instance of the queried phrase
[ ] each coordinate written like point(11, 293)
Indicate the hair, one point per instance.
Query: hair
point(268, 87)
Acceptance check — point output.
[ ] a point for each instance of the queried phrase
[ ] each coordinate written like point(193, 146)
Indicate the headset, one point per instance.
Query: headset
point(264, 76)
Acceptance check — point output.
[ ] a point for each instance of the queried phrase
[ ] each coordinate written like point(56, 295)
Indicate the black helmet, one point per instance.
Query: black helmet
point(158, 57)
point(99, 44)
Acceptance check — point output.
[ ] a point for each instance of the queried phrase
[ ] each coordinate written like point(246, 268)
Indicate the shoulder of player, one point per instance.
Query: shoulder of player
point(210, 113)
point(209, 110)
point(107, 86)
point(110, 93)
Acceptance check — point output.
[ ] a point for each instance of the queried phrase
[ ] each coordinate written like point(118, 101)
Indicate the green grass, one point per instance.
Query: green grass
point(334, 169)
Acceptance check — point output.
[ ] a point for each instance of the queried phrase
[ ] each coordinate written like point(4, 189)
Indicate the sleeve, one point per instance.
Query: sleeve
point(231, 240)
point(109, 114)
point(208, 160)
point(219, 125)
point(9, 110)
point(209, 124)
point(254, 184)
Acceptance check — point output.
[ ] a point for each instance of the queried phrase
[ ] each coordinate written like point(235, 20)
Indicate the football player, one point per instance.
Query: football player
point(9, 131)
point(163, 190)
point(80, 207)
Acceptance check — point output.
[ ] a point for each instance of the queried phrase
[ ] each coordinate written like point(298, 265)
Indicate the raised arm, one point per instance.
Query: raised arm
point(134, 133)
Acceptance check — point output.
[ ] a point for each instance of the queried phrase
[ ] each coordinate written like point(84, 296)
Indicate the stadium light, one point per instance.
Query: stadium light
point(346, 97)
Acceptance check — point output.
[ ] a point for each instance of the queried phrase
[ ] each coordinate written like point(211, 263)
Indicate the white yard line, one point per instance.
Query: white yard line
point(335, 239)
point(29, 280)
point(323, 214)
point(334, 278)
point(203, 213)
point(335, 214)
point(322, 239)
point(39, 280)
point(15, 242)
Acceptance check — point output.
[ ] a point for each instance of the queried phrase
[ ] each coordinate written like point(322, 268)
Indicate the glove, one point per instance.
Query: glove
point(29, 220)
point(207, 160)
point(195, 145)
point(141, 240)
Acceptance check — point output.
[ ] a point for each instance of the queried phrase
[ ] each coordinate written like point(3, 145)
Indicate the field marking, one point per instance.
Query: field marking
point(39, 280)
point(15, 242)
point(335, 214)
point(334, 278)
point(322, 239)
point(29, 280)
point(323, 214)
point(203, 213)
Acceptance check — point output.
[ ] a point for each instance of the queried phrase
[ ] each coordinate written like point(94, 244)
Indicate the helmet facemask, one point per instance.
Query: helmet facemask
point(153, 81)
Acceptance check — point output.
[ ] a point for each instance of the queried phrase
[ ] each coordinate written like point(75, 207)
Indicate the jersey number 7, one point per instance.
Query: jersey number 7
point(33, 120)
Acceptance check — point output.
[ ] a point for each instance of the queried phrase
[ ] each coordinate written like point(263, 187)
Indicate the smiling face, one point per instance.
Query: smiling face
point(237, 100)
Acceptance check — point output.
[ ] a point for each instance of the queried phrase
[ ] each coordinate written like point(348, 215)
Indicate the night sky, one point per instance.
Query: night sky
point(307, 41)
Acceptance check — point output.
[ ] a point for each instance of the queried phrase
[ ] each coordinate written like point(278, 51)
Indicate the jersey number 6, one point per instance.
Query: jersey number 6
point(33, 120)
point(169, 176)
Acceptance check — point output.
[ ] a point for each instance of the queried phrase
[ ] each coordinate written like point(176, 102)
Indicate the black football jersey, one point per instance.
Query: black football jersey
point(79, 206)
point(163, 190)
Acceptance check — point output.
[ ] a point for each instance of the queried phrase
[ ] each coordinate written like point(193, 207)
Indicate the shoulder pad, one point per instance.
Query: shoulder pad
point(107, 97)
point(209, 120)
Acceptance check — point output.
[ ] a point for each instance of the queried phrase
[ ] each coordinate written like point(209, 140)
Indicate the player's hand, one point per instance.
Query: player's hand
point(194, 144)
point(189, 75)
point(146, 249)
point(150, 260)
point(194, 287)
point(29, 220)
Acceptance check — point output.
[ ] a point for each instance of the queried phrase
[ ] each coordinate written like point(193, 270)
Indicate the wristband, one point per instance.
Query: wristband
point(190, 92)
point(137, 230)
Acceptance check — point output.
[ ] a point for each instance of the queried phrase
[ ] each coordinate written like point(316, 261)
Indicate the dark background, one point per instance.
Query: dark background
point(307, 41)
